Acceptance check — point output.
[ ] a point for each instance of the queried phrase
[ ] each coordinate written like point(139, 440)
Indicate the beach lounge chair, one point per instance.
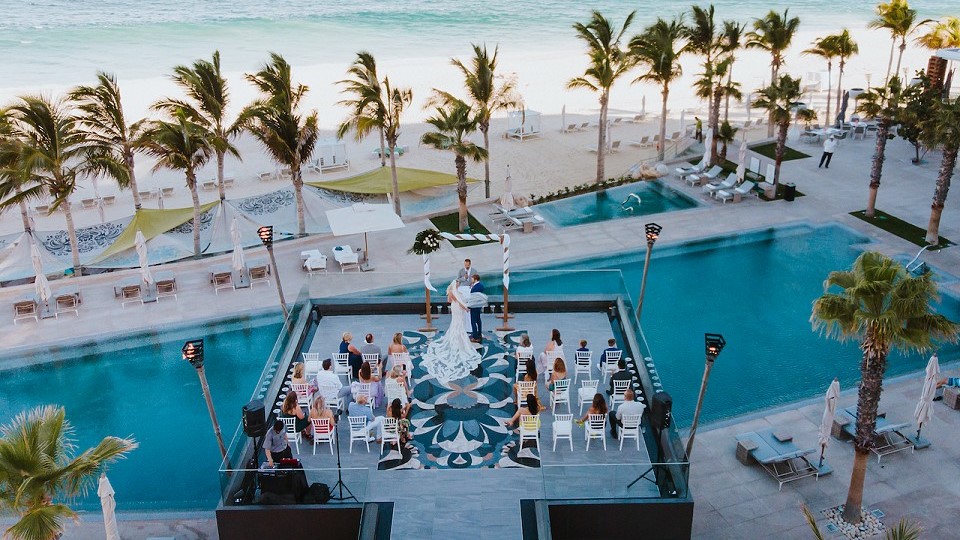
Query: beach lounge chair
point(209, 185)
point(146, 193)
point(88, 203)
point(42, 209)
point(259, 272)
point(222, 281)
point(614, 147)
point(697, 179)
point(315, 264)
point(644, 142)
point(683, 172)
point(228, 181)
point(736, 194)
point(583, 126)
point(67, 303)
point(614, 122)
point(25, 309)
point(346, 257)
point(570, 128)
point(130, 294)
point(501, 215)
point(525, 224)
point(712, 189)
point(109, 199)
point(166, 287)
point(888, 436)
point(637, 118)
point(777, 454)
point(265, 176)
point(167, 191)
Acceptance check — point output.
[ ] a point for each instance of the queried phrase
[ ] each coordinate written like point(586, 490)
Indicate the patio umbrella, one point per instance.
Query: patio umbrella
point(829, 410)
point(682, 122)
point(40, 282)
point(141, 244)
point(563, 118)
point(924, 410)
point(96, 194)
point(742, 163)
point(363, 218)
point(707, 141)
point(109, 504)
point(238, 263)
point(643, 106)
point(506, 199)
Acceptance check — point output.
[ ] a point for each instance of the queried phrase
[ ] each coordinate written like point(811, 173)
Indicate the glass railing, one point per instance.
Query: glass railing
point(598, 481)
point(345, 485)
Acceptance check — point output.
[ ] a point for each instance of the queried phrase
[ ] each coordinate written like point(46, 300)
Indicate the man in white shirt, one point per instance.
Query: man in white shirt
point(326, 377)
point(628, 407)
point(829, 146)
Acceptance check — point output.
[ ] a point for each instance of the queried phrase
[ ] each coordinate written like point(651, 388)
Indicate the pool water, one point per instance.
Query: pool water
point(637, 199)
point(139, 386)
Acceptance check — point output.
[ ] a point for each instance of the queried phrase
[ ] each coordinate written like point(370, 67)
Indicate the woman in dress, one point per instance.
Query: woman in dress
point(599, 406)
point(531, 406)
point(319, 409)
point(365, 375)
point(559, 372)
point(453, 356)
point(530, 375)
point(298, 376)
point(395, 347)
point(400, 411)
point(355, 359)
point(291, 408)
point(555, 344)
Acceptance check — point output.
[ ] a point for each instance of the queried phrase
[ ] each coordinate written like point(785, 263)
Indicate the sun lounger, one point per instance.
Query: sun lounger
point(259, 271)
point(315, 261)
point(42, 209)
point(683, 172)
point(228, 181)
point(109, 199)
point(266, 176)
point(525, 224)
point(570, 128)
point(614, 147)
point(67, 303)
point(130, 294)
point(777, 454)
point(502, 215)
point(584, 126)
point(637, 118)
point(209, 185)
point(166, 284)
point(644, 142)
point(347, 258)
point(25, 309)
point(167, 191)
point(712, 189)
point(146, 193)
point(736, 194)
point(88, 203)
point(697, 179)
point(888, 438)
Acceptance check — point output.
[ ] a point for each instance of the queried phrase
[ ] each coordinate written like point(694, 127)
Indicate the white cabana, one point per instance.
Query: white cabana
point(331, 154)
point(363, 218)
point(523, 124)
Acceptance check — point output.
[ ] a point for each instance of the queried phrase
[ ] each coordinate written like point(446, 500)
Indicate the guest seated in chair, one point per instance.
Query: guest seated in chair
point(531, 406)
point(599, 406)
point(559, 372)
point(298, 376)
point(554, 344)
point(366, 376)
point(291, 408)
point(326, 377)
point(400, 411)
point(356, 358)
point(397, 374)
point(529, 376)
point(621, 375)
point(396, 346)
point(611, 347)
point(583, 346)
point(319, 409)
point(525, 346)
point(369, 348)
point(359, 408)
point(628, 407)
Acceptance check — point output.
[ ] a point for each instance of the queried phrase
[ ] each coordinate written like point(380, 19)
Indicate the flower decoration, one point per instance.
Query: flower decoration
point(426, 242)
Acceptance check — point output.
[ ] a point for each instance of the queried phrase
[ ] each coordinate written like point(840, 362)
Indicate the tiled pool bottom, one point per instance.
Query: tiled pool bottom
point(636, 199)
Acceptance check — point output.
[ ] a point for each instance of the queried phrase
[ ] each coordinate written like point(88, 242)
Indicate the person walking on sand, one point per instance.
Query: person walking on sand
point(829, 146)
point(699, 134)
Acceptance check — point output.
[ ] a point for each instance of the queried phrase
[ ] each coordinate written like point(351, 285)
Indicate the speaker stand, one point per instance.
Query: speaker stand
point(340, 484)
point(643, 476)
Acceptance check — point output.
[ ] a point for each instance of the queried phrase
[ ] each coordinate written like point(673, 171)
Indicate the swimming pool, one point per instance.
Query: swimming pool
point(138, 385)
point(637, 199)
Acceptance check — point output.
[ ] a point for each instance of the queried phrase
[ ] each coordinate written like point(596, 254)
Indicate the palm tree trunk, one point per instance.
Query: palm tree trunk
point(461, 163)
point(298, 193)
point(876, 169)
point(872, 366)
point(826, 122)
point(940, 194)
point(383, 150)
point(192, 186)
point(393, 176)
point(893, 44)
point(24, 215)
point(726, 106)
point(839, 90)
point(72, 234)
point(773, 80)
point(602, 136)
point(661, 149)
point(903, 48)
point(220, 186)
point(128, 161)
point(485, 129)
point(781, 147)
point(715, 122)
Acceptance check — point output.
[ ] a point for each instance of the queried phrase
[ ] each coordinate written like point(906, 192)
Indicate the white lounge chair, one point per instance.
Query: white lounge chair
point(346, 257)
point(683, 172)
point(644, 142)
point(315, 264)
point(729, 183)
point(698, 179)
point(743, 189)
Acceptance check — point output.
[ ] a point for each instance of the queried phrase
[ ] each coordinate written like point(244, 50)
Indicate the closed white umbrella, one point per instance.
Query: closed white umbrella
point(643, 106)
point(40, 282)
point(238, 263)
point(563, 118)
point(506, 199)
point(707, 142)
point(829, 410)
point(141, 244)
point(683, 122)
point(109, 504)
point(924, 410)
point(742, 161)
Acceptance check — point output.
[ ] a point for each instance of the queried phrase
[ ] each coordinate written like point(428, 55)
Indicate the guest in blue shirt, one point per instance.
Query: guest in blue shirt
point(355, 359)
point(611, 347)
point(360, 408)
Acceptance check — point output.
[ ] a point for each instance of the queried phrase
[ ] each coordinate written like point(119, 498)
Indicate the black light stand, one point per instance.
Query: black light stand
point(340, 484)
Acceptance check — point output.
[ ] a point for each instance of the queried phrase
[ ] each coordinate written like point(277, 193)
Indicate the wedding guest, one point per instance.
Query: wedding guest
point(530, 407)
point(365, 375)
point(396, 347)
point(400, 411)
point(611, 347)
point(319, 409)
point(628, 407)
point(359, 408)
point(298, 376)
point(599, 406)
point(356, 357)
point(369, 348)
point(555, 344)
point(559, 372)
point(620, 375)
point(327, 378)
point(529, 376)
point(291, 409)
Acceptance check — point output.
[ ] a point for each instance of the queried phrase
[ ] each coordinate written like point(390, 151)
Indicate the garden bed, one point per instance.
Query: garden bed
point(900, 228)
point(451, 223)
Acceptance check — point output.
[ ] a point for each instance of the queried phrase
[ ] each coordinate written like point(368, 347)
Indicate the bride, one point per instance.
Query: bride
point(452, 356)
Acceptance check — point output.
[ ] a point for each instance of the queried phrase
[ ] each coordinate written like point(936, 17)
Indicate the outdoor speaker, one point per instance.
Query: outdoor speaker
point(661, 411)
point(254, 419)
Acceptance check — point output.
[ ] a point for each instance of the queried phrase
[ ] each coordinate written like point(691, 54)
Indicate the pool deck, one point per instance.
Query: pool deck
point(730, 497)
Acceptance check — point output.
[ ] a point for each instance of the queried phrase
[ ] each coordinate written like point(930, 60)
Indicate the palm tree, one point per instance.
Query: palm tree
point(777, 99)
point(180, 145)
point(702, 39)
point(846, 47)
point(714, 86)
point(12, 179)
point(111, 138)
point(453, 124)
point(943, 130)
point(882, 305)
point(884, 104)
point(275, 121)
point(898, 18)
point(726, 134)
point(54, 152)
point(825, 48)
point(39, 466)
point(731, 41)
point(367, 109)
point(397, 100)
point(773, 34)
point(486, 97)
point(904, 530)
point(206, 106)
point(608, 62)
point(943, 34)
point(658, 49)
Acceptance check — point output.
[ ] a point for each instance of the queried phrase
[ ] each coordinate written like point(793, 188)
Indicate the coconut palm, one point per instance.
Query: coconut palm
point(898, 18)
point(904, 530)
point(12, 178)
point(54, 153)
point(777, 99)
point(726, 134)
point(607, 63)
point(882, 305)
point(658, 50)
point(825, 47)
point(39, 468)
point(714, 86)
point(396, 101)
point(206, 106)
point(479, 79)
point(179, 145)
point(453, 123)
point(366, 106)
point(112, 140)
point(731, 41)
point(773, 33)
point(276, 121)
point(942, 34)
point(703, 39)
point(943, 130)
point(884, 104)
point(846, 47)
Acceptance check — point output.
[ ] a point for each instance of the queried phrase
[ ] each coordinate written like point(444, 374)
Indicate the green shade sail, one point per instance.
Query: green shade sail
point(379, 181)
point(152, 223)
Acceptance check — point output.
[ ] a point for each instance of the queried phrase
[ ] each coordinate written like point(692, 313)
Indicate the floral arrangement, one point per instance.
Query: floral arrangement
point(426, 242)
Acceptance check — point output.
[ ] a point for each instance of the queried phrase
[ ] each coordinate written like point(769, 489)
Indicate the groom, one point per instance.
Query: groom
point(476, 326)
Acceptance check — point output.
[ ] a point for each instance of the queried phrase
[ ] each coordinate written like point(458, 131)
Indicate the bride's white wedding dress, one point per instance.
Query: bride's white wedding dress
point(452, 356)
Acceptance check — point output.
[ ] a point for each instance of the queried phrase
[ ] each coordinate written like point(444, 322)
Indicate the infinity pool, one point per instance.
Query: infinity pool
point(637, 199)
point(140, 386)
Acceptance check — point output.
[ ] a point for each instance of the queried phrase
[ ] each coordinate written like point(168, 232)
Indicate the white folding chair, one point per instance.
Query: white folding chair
point(323, 432)
point(375, 370)
point(588, 389)
point(630, 429)
point(311, 366)
point(395, 390)
point(619, 389)
point(551, 357)
point(373, 358)
point(593, 429)
point(562, 429)
point(560, 394)
point(311, 356)
point(363, 389)
point(341, 365)
point(331, 395)
point(611, 363)
point(583, 362)
point(403, 359)
point(530, 428)
point(358, 431)
point(290, 428)
point(391, 433)
point(524, 388)
point(522, 357)
point(303, 393)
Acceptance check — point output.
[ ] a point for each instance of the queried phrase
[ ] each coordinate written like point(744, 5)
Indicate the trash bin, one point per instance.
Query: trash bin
point(789, 191)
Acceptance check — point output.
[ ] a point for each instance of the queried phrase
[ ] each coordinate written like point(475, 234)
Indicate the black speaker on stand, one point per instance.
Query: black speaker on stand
point(254, 419)
point(661, 416)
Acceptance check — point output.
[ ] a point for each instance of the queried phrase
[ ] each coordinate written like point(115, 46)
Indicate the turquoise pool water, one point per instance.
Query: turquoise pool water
point(140, 386)
point(637, 199)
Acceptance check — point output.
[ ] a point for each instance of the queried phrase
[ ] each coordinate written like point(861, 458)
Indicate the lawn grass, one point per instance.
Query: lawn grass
point(450, 223)
point(769, 150)
point(900, 228)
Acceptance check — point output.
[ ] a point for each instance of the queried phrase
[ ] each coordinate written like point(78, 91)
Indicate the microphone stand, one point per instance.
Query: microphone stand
point(340, 484)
